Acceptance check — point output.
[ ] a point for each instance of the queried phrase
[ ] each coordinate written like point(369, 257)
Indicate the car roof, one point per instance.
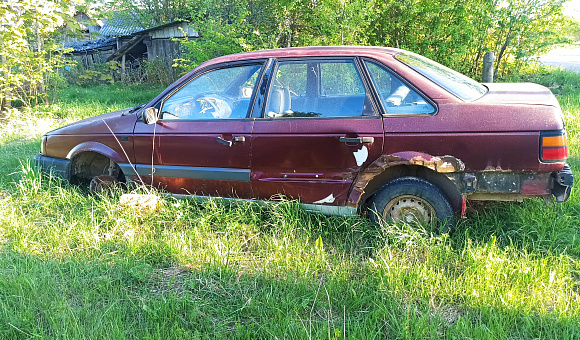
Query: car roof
point(310, 51)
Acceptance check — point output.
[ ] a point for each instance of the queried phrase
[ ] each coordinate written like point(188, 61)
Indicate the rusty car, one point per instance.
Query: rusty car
point(343, 130)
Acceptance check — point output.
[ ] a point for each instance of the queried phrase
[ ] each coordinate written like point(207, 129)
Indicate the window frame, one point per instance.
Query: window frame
point(407, 83)
point(359, 67)
point(263, 63)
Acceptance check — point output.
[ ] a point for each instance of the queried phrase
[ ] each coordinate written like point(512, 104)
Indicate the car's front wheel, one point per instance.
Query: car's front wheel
point(413, 201)
point(102, 183)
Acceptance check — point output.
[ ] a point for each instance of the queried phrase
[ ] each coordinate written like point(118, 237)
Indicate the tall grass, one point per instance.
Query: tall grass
point(75, 265)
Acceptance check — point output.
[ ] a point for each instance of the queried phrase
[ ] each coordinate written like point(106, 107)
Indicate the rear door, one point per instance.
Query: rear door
point(317, 130)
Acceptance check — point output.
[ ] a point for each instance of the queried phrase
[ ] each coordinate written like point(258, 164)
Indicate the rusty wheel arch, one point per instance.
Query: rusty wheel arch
point(89, 164)
point(389, 167)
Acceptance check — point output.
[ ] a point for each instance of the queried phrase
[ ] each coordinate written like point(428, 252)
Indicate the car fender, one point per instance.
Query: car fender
point(98, 148)
point(437, 164)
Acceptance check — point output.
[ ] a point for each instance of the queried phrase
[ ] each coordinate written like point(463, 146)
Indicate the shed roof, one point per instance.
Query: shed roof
point(78, 46)
point(118, 27)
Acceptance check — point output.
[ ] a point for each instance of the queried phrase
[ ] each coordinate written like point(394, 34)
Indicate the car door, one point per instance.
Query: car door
point(203, 135)
point(317, 130)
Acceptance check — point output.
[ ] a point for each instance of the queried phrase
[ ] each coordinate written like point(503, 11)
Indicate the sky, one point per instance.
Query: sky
point(572, 9)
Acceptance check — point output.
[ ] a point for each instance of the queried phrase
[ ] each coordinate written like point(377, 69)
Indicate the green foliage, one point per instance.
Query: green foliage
point(224, 30)
point(145, 13)
point(233, 27)
point(456, 33)
point(28, 50)
point(571, 28)
point(104, 73)
point(157, 71)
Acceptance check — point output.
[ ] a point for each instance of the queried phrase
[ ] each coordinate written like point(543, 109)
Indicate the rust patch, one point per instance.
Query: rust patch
point(442, 164)
point(538, 186)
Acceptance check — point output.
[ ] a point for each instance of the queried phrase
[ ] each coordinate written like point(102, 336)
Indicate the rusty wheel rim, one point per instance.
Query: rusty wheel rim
point(409, 209)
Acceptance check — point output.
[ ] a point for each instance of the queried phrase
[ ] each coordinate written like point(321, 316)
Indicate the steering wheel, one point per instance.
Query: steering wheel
point(202, 106)
point(214, 106)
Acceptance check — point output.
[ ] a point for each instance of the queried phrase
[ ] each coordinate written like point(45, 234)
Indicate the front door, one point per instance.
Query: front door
point(203, 137)
point(318, 129)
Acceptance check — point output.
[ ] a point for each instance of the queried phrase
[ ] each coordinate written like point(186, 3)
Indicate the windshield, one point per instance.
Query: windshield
point(454, 82)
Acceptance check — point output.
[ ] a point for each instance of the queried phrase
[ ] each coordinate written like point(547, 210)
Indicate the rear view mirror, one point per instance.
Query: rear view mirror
point(150, 115)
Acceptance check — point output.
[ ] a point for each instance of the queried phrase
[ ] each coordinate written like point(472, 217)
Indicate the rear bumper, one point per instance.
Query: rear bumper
point(563, 181)
point(514, 186)
point(57, 166)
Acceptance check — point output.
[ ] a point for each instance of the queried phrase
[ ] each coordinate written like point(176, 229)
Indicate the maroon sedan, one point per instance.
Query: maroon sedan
point(342, 129)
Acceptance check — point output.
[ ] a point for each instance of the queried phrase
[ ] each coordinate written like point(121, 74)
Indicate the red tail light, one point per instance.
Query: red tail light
point(553, 146)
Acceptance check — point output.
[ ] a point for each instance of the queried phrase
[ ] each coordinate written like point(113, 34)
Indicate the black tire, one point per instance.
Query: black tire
point(415, 201)
point(103, 183)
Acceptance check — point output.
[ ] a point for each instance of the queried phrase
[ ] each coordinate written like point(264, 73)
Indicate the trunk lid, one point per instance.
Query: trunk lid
point(518, 93)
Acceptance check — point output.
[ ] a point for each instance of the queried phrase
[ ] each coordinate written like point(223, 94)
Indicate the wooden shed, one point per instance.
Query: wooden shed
point(155, 42)
point(128, 43)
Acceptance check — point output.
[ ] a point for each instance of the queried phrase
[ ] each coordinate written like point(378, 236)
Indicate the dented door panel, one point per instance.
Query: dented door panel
point(304, 158)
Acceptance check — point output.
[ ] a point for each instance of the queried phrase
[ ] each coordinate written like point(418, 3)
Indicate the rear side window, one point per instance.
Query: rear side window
point(396, 97)
point(317, 88)
point(453, 81)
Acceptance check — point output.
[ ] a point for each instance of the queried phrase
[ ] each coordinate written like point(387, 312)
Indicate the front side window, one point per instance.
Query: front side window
point(317, 88)
point(396, 97)
point(218, 94)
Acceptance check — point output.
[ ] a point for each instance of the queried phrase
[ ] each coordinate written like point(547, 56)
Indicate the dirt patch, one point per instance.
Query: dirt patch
point(170, 280)
point(449, 314)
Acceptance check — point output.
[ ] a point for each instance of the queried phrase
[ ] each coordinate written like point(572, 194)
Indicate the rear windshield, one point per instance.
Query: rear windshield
point(454, 82)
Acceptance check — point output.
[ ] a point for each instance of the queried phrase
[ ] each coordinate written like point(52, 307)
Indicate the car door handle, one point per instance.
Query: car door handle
point(358, 140)
point(224, 142)
point(237, 139)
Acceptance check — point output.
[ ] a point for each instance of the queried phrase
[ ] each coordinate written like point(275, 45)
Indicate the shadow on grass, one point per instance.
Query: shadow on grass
point(108, 296)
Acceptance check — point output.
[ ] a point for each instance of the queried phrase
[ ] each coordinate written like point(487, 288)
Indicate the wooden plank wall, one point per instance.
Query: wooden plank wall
point(164, 48)
point(180, 30)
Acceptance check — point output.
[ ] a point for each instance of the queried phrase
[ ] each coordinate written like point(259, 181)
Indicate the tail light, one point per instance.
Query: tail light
point(553, 146)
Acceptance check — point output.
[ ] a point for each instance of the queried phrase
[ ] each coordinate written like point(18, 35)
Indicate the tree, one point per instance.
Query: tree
point(29, 52)
point(146, 13)
point(525, 28)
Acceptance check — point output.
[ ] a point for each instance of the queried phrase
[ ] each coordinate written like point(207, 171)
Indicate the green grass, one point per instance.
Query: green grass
point(76, 266)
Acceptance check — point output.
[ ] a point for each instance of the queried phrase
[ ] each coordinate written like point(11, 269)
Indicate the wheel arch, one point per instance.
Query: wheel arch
point(96, 147)
point(92, 159)
point(414, 164)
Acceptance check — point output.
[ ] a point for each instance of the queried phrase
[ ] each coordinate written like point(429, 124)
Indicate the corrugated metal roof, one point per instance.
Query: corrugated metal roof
point(118, 28)
point(91, 44)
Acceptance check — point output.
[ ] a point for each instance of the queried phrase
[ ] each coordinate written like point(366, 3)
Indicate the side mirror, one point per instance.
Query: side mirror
point(150, 115)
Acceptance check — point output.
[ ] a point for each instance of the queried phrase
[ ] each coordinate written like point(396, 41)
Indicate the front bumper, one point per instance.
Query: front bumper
point(56, 166)
point(563, 181)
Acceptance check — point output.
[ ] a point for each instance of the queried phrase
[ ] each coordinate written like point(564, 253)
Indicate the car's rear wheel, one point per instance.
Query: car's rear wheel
point(413, 201)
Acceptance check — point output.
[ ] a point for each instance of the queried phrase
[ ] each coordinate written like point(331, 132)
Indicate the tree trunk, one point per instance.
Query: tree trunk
point(487, 76)
point(502, 51)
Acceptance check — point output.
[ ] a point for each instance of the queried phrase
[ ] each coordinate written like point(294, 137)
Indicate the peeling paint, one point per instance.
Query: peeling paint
point(441, 164)
point(361, 155)
point(328, 199)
